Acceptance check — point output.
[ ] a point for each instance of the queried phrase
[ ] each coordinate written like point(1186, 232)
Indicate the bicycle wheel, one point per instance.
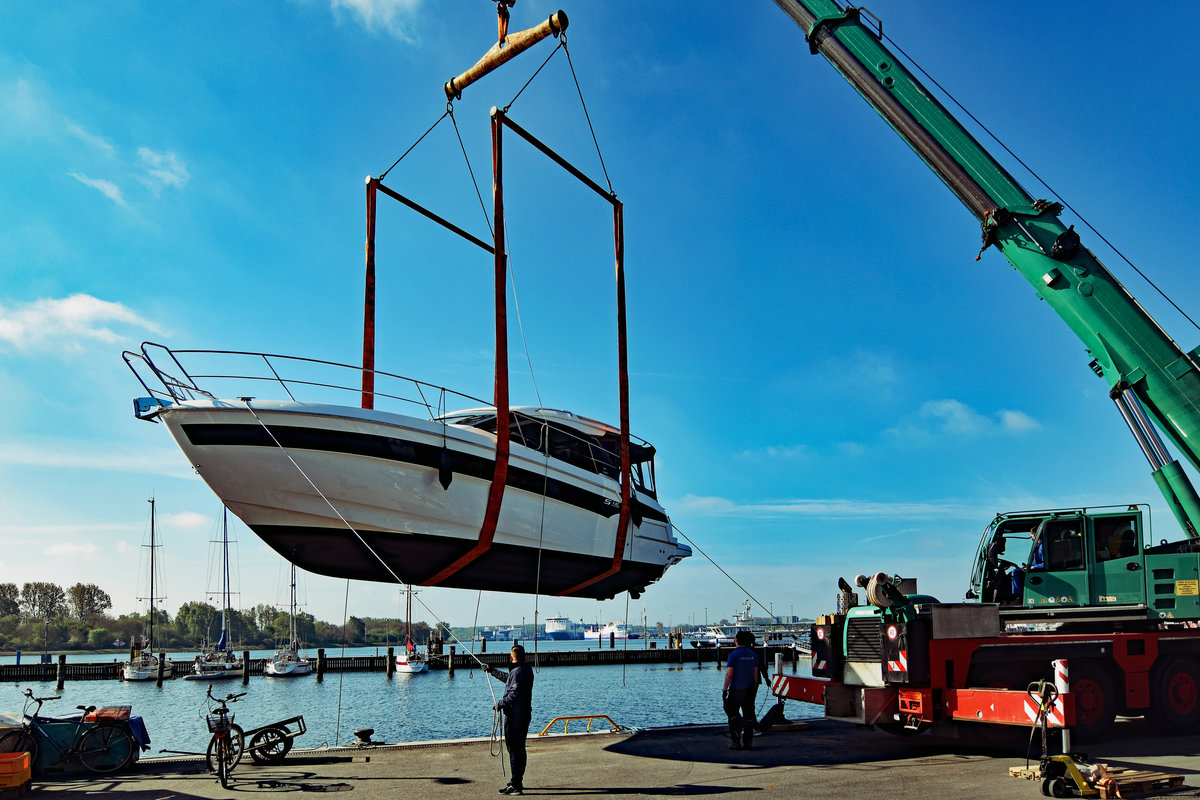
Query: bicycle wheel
point(233, 754)
point(222, 753)
point(21, 741)
point(269, 745)
point(106, 748)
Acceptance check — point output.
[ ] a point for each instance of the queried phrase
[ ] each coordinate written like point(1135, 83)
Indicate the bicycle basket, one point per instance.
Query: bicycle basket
point(219, 723)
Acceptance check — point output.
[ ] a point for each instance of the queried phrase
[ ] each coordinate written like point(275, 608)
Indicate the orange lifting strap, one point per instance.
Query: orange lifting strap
point(508, 47)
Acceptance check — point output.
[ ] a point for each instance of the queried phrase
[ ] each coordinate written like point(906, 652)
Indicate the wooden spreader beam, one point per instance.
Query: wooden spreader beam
point(507, 48)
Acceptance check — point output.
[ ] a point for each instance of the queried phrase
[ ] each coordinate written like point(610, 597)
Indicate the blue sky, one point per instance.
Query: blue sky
point(833, 384)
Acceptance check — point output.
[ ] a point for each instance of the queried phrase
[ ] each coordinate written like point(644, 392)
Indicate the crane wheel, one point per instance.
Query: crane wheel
point(1095, 701)
point(1175, 702)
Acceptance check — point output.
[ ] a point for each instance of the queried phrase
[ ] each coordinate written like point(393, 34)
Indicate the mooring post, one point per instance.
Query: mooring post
point(162, 668)
point(612, 639)
point(320, 663)
point(778, 663)
point(483, 645)
point(391, 662)
point(62, 670)
point(245, 667)
point(452, 649)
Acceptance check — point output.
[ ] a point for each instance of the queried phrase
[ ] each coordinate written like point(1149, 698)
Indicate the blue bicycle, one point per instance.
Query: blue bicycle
point(101, 746)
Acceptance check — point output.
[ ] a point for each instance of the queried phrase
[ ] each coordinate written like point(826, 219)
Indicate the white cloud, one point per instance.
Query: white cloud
point(126, 549)
point(67, 322)
point(90, 139)
point(954, 418)
point(22, 106)
point(778, 452)
point(1018, 421)
point(393, 16)
point(162, 169)
point(106, 188)
point(828, 507)
point(99, 456)
point(187, 519)
point(72, 550)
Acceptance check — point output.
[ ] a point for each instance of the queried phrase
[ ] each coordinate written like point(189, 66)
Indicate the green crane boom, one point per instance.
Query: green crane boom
point(1146, 370)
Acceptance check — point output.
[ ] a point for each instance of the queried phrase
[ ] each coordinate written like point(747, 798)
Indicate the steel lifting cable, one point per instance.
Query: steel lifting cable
point(1038, 178)
point(562, 44)
point(445, 113)
point(362, 541)
point(723, 572)
point(587, 116)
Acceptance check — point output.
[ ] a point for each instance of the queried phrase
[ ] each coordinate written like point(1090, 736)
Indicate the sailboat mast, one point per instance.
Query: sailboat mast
point(225, 575)
point(150, 634)
point(295, 643)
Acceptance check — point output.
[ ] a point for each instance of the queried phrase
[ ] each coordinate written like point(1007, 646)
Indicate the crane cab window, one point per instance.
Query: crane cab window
point(1116, 537)
point(1062, 540)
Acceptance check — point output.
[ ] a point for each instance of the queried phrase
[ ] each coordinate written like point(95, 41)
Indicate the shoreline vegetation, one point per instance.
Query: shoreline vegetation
point(43, 617)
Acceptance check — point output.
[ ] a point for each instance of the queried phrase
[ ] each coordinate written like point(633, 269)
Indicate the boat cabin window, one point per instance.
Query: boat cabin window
point(643, 478)
point(597, 454)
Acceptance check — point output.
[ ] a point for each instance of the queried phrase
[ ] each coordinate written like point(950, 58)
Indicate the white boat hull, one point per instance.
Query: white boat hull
point(277, 668)
point(145, 670)
point(380, 471)
point(411, 666)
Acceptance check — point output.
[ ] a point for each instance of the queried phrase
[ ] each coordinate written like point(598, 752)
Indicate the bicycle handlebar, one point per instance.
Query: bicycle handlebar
point(230, 698)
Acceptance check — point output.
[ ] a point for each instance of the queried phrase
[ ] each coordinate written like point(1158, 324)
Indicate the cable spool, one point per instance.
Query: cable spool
point(877, 594)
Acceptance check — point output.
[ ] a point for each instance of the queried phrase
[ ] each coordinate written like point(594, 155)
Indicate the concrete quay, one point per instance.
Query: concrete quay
point(821, 759)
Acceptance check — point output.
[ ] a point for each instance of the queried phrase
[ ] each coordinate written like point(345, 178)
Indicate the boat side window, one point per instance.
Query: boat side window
point(581, 452)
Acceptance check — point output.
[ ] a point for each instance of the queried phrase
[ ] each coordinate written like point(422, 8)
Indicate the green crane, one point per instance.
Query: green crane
point(1086, 559)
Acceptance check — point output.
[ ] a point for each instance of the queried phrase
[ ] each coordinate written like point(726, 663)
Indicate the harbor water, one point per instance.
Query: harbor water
point(408, 708)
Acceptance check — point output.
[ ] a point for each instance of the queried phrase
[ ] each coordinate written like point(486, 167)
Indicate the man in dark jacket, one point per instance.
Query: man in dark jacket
point(742, 676)
point(516, 703)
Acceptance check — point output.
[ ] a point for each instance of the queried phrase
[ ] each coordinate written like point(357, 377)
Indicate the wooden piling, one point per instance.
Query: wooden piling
point(162, 668)
point(320, 663)
point(62, 670)
point(452, 649)
point(612, 639)
point(245, 667)
point(391, 662)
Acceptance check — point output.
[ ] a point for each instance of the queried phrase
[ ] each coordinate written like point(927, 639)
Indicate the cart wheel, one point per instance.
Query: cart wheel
point(1055, 787)
point(270, 745)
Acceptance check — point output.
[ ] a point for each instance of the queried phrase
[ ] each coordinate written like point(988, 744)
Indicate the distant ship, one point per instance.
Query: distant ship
point(561, 629)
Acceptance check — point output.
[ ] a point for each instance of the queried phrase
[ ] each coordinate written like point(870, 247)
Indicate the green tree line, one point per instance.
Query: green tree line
point(44, 616)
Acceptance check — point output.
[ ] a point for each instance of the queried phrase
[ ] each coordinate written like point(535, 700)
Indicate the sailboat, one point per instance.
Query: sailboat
point(219, 661)
point(287, 661)
point(143, 664)
point(409, 660)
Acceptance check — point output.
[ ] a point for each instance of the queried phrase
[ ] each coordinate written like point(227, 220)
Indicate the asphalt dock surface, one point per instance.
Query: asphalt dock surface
point(820, 760)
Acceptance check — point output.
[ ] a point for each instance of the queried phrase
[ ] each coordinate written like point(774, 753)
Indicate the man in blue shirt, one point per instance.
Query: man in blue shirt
point(743, 673)
point(517, 705)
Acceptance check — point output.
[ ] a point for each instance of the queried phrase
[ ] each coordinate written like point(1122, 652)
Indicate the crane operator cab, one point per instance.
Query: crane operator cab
point(1071, 557)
